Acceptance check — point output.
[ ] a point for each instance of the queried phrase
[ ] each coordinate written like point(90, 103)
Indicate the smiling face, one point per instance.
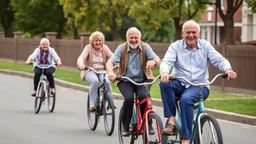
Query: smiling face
point(133, 38)
point(191, 34)
point(45, 45)
point(97, 43)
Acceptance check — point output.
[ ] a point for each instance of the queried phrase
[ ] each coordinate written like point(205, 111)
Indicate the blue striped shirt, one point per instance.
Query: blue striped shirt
point(192, 64)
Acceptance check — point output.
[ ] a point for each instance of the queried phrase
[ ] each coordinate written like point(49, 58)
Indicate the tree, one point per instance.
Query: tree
point(152, 14)
point(6, 17)
point(227, 16)
point(252, 5)
point(39, 16)
point(91, 15)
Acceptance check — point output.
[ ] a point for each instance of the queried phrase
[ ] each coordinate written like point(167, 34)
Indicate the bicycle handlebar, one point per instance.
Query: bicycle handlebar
point(42, 67)
point(200, 84)
point(138, 84)
point(90, 68)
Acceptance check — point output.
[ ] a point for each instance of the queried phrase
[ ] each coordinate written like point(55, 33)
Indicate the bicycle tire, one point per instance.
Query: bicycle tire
point(51, 103)
point(91, 116)
point(120, 128)
point(39, 97)
point(208, 119)
point(158, 129)
point(108, 104)
point(174, 139)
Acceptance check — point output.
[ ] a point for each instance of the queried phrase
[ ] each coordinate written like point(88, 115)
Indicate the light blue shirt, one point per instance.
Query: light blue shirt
point(133, 68)
point(192, 64)
point(52, 56)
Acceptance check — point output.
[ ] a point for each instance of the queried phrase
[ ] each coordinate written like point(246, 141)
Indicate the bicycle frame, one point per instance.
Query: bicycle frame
point(137, 117)
point(200, 112)
point(104, 90)
point(199, 107)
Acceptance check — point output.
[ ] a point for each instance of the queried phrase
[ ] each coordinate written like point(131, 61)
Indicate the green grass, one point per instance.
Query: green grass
point(221, 101)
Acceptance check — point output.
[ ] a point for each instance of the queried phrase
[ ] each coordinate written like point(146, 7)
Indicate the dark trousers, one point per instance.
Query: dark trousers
point(188, 96)
point(49, 74)
point(128, 90)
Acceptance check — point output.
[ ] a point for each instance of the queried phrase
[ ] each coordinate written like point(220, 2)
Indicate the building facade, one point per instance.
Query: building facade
point(249, 24)
point(207, 24)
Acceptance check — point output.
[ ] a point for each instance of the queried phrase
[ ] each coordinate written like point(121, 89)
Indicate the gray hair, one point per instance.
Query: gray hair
point(133, 29)
point(96, 34)
point(190, 22)
point(44, 40)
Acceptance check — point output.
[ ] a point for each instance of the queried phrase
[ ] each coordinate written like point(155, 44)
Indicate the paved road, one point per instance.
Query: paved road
point(68, 124)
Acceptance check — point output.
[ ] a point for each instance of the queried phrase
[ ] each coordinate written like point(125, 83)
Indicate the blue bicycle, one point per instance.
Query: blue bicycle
point(43, 91)
point(206, 129)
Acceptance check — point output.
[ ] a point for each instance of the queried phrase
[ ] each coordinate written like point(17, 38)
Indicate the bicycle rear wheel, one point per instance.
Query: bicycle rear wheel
point(51, 100)
point(174, 139)
point(210, 131)
point(156, 137)
point(91, 116)
point(124, 140)
point(39, 97)
point(109, 114)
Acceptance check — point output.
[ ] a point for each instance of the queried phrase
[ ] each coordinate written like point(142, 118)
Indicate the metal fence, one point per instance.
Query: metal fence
point(241, 57)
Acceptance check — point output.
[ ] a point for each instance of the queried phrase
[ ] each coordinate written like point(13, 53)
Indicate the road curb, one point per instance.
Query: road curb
point(216, 113)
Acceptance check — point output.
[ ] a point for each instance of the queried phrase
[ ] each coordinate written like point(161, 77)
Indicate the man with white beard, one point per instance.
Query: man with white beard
point(135, 59)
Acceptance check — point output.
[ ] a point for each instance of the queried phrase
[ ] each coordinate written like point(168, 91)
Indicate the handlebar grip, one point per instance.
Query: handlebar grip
point(119, 78)
point(224, 76)
point(86, 68)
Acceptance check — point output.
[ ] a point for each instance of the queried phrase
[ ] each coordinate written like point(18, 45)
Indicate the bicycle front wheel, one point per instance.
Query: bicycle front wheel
point(39, 97)
point(154, 135)
point(210, 131)
point(124, 139)
point(91, 116)
point(51, 100)
point(109, 114)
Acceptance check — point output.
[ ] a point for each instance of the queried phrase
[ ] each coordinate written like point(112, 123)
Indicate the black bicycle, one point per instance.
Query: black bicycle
point(104, 107)
point(43, 91)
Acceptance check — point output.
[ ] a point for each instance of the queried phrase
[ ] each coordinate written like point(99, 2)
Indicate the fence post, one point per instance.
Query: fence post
point(223, 51)
point(17, 36)
point(52, 38)
point(84, 38)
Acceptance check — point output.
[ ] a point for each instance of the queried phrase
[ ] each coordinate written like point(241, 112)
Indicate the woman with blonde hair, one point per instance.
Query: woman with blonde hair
point(94, 55)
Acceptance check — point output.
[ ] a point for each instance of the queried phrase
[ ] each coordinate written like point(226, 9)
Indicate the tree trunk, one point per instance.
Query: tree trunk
point(178, 28)
point(229, 31)
point(114, 27)
point(8, 31)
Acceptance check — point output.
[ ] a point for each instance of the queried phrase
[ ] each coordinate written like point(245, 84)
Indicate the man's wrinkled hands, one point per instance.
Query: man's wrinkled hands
point(111, 76)
point(165, 77)
point(231, 74)
point(150, 64)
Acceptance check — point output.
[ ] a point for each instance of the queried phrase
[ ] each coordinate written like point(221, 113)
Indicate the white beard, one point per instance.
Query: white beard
point(134, 46)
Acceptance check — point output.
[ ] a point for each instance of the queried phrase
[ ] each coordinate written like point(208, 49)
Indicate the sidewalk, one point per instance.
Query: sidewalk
point(216, 113)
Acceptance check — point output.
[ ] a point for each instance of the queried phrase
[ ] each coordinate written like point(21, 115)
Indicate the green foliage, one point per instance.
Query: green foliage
point(252, 5)
point(38, 16)
point(154, 15)
point(6, 17)
point(91, 15)
point(163, 34)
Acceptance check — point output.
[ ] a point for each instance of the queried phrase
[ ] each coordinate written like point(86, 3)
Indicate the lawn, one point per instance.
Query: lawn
point(221, 101)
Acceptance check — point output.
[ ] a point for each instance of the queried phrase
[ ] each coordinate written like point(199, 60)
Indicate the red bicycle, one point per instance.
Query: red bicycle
point(140, 125)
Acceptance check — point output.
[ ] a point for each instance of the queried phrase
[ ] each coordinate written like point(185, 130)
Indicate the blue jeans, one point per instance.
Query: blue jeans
point(188, 96)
